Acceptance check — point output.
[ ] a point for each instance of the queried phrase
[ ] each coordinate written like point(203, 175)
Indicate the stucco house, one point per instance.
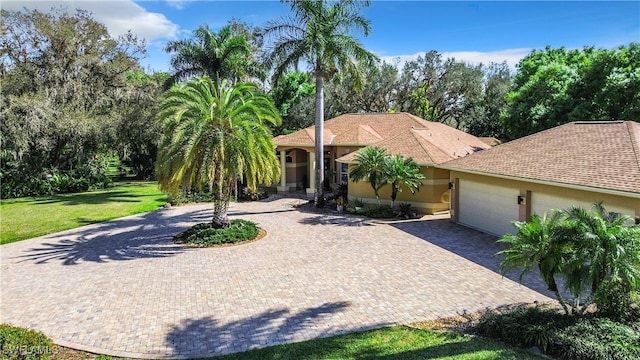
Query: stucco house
point(428, 143)
point(578, 163)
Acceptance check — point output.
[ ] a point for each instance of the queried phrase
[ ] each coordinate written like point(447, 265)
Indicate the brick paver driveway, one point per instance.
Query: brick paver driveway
point(123, 288)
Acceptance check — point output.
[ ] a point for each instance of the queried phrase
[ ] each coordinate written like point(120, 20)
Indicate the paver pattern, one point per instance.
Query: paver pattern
point(124, 288)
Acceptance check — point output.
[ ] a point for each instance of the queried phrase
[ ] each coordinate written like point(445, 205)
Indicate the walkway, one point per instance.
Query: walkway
point(123, 288)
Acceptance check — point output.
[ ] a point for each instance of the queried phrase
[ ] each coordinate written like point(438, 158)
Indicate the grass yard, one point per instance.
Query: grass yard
point(397, 342)
point(25, 218)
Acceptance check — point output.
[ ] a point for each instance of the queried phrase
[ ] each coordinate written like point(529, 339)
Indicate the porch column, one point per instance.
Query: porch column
point(311, 190)
point(283, 172)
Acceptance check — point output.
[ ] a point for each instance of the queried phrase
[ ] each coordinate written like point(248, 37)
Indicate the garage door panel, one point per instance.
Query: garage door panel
point(487, 207)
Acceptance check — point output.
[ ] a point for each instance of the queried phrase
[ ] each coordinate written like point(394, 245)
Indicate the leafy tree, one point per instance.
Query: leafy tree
point(293, 89)
point(213, 133)
point(402, 172)
point(318, 34)
point(63, 77)
point(218, 55)
point(137, 129)
point(539, 243)
point(375, 94)
point(439, 89)
point(484, 116)
point(370, 165)
point(556, 86)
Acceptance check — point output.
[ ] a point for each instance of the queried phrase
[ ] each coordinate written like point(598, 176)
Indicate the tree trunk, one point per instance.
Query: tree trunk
point(221, 203)
point(319, 145)
point(220, 217)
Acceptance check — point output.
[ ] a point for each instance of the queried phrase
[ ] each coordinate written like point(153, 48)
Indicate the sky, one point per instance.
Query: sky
point(471, 31)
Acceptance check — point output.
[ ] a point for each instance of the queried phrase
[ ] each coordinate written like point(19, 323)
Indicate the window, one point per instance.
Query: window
point(344, 173)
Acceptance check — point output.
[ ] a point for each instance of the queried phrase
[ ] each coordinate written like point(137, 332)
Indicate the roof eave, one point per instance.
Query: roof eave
point(544, 182)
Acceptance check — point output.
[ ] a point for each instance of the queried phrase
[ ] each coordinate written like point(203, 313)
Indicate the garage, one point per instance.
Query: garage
point(487, 207)
point(543, 202)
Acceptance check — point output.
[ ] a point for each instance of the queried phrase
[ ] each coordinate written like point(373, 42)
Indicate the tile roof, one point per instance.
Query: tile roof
point(599, 154)
point(400, 133)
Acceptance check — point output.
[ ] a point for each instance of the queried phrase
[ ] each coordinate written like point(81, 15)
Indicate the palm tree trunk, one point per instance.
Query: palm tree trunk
point(220, 217)
point(319, 145)
point(221, 203)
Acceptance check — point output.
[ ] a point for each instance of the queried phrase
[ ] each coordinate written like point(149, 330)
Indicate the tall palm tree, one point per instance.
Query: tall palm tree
point(539, 243)
point(370, 165)
point(218, 55)
point(213, 132)
point(318, 35)
point(402, 172)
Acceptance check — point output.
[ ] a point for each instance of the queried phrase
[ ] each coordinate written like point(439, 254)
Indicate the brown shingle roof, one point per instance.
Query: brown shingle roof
point(602, 154)
point(400, 133)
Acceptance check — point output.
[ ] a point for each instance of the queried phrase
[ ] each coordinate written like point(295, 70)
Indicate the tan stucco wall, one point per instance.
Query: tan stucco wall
point(433, 195)
point(527, 188)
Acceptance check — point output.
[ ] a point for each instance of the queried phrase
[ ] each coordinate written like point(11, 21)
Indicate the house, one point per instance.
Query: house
point(578, 163)
point(428, 143)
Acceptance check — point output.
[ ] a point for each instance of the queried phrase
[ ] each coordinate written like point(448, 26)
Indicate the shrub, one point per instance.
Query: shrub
point(19, 182)
point(576, 337)
point(357, 202)
point(617, 303)
point(205, 234)
point(524, 326)
point(378, 212)
point(405, 211)
point(598, 339)
point(23, 344)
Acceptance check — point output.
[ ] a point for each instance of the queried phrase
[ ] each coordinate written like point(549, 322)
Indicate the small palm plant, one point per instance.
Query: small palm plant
point(370, 165)
point(539, 243)
point(402, 172)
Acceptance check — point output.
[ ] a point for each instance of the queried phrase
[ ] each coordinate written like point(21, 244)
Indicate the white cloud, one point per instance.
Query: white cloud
point(511, 56)
point(118, 16)
point(178, 4)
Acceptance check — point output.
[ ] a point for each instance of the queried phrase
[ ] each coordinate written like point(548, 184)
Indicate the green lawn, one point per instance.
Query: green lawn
point(397, 342)
point(25, 218)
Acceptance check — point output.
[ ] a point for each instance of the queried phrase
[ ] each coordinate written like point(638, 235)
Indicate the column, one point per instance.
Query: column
point(311, 190)
point(283, 172)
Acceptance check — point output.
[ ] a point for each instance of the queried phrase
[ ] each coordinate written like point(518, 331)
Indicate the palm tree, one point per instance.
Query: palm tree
point(607, 245)
point(370, 165)
point(318, 35)
point(221, 55)
point(213, 132)
point(539, 243)
point(401, 171)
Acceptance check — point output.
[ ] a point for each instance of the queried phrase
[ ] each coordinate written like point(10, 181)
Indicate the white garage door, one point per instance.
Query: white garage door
point(541, 203)
point(488, 207)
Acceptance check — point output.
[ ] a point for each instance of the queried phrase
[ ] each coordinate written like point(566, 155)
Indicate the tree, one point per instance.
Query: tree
point(213, 133)
point(439, 89)
point(402, 172)
point(370, 165)
point(64, 82)
point(292, 90)
point(539, 243)
point(318, 34)
point(556, 86)
point(606, 248)
point(486, 120)
point(221, 55)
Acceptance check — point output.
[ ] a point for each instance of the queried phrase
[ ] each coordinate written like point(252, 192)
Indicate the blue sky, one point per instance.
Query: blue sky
point(479, 31)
